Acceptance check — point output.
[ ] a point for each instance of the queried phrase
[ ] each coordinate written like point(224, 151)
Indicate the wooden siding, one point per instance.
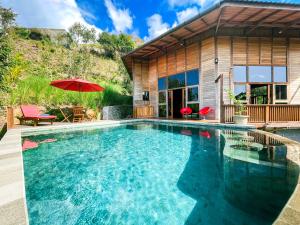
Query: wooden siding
point(137, 83)
point(153, 95)
point(239, 48)
point(265, 51)
point(224, 65)
point(279, 51)
point(259, 51)
point(253, 51)
point(171, 63)
point(294, 71)
point(192, 56)
point(145, 76)
point(162, 66)
point(208, 93)
point(180, 60)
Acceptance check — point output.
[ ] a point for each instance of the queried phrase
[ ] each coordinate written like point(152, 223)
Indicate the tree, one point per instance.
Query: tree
point(116, 45)
point(81, 34)
point(7, 19)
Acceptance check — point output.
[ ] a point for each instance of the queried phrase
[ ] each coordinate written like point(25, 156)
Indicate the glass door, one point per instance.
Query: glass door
point(260, 94)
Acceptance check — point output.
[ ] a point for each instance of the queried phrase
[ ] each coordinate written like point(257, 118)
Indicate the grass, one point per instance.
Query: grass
point(36, 90)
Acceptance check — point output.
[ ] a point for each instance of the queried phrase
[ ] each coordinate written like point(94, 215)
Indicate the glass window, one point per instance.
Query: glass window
point(260, 74)
point(162, 97)
point(162, 110)
point(240, 91)
point(162, 83)
point(194, 107)
point(281, 92)
point(176, 81)
point(239, 74)
point(192, 77)
point(280, 74)
point(193, 94)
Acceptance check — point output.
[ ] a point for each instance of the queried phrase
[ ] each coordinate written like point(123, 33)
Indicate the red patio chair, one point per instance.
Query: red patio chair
point(186, 111)
point(204, 111)
point(31, 112)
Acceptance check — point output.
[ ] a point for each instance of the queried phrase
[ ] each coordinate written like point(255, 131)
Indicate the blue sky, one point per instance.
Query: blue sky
point(144, 18)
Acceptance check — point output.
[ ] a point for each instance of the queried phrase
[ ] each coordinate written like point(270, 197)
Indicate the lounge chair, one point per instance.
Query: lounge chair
point(31, 112)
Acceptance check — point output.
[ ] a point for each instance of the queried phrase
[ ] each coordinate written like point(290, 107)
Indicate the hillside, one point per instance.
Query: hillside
point(38, 56)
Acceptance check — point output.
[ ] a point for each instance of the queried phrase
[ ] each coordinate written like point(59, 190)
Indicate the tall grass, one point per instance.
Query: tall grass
point(36, 90)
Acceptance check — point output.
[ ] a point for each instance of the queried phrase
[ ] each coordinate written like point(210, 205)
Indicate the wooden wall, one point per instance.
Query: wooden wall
point(208, 88)
point(229, 51)
point(294, 71)
point(259, 51)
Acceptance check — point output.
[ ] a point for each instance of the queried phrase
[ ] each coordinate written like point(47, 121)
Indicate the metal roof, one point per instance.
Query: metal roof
point(226, 13)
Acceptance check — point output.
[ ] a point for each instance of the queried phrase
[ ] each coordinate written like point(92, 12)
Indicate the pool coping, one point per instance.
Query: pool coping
point(13, 208)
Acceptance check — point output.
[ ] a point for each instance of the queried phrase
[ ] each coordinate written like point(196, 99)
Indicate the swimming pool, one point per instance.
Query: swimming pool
point(150, 173)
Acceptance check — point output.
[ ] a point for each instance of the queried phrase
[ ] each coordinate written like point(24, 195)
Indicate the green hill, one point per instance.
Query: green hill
point(39, 56)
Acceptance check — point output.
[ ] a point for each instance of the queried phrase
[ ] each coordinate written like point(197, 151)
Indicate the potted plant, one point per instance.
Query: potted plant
point(240, 109)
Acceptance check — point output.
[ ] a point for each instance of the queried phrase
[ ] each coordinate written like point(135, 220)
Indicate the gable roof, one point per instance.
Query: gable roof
point(227, 13)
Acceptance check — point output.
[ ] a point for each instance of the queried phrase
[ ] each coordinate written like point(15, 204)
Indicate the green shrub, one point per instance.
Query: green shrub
point(22, 32)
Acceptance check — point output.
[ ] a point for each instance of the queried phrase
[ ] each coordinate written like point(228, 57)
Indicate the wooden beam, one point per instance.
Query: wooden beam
point(203, 20)
point(189, 30)
point(219, 19)
point(262, 20)
point(159, 48)
point(287, 16)
point(167, 42)
point(251, 16)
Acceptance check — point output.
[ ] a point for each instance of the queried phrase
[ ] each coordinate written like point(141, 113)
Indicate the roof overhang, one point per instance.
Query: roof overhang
point(227, 14)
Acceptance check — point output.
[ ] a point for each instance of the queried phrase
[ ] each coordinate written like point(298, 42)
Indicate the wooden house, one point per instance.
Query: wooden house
point(247, 47)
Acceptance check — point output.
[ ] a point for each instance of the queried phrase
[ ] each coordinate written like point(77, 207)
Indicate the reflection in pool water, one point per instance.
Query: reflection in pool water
point(157, 174)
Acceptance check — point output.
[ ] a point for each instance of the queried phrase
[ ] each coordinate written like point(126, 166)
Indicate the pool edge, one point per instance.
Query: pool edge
point(289, 215)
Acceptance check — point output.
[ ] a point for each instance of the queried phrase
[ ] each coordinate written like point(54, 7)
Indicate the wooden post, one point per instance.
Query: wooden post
point(267, 116)
point(10, 117)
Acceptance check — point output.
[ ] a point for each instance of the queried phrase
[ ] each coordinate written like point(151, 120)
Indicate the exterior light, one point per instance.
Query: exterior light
point(216, 60)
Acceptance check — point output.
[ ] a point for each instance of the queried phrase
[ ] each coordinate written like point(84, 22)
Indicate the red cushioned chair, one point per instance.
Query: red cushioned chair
point(204, 111)
point(31, 112)
point(186, 111)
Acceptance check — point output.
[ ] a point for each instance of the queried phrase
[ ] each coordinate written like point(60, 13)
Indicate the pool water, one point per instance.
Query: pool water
point(156, 174)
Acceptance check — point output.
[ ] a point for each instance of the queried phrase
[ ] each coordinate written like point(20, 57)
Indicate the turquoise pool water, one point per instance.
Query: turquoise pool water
point(156, 174)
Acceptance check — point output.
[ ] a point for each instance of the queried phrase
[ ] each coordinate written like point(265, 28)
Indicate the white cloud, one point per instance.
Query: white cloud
point(186, 14)
point(156, 26)
point(121, 18)
point(59, 14)
point(174, 3)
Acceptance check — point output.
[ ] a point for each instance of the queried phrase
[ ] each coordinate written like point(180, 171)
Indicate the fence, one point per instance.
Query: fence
point(264, 113)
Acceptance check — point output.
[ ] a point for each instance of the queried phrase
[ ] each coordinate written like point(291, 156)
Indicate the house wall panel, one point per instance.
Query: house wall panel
point(239, 48)
point(192, 56)
point(208, 75)
point(253, 51)
point(294, 71)
point(171, 63)
point(137, 83)
point(279, 52)
point(180, 60)
point(265, 51)
point(162, 66)
point(153, 88)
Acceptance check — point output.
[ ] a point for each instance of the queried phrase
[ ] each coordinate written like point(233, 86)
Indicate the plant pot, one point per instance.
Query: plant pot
point(240, 119)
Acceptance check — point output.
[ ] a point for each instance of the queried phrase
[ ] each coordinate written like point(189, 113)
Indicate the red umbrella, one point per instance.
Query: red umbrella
point(77, 85)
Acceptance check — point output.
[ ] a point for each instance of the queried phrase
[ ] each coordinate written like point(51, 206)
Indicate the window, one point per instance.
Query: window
point(162, 110)
point(240, 74)
point(162, 83)
point(176, 81)
point(162, 97)
point(194, 107)
point(240, 92)
point(281, 92)
point(260, 74)
point(192, 77)
point(192, 94)
point(280, 74)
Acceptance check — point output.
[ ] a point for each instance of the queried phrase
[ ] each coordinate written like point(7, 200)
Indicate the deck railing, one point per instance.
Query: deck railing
point(264, 113)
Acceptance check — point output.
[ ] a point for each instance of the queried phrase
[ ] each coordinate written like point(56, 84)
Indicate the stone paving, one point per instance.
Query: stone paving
point(12, 189)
